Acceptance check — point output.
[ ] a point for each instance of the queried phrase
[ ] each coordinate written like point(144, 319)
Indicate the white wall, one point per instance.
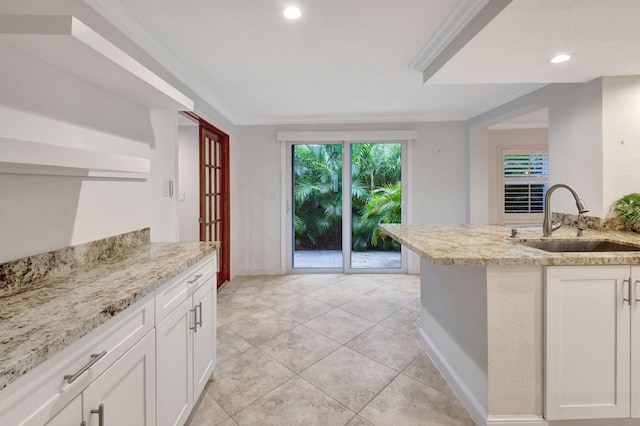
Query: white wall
point(594, 138)
point(620, 137)
point(575, 145)
point(438, 175)
point(42, 213)
point(454, 319)
point(188, 183)
point(479, 176)
point(162, 204)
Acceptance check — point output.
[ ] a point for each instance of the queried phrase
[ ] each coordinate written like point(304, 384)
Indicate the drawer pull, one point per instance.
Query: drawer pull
point(94, 358)
point(100, 413)
point(635, 289)
point(196, 278)
point(199, 317)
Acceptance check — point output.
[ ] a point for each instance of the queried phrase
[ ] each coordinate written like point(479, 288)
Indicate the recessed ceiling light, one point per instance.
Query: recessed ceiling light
point(292, 12)
point(560, 58)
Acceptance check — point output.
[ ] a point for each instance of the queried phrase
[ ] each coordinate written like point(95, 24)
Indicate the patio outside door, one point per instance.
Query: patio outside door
point(333, 230)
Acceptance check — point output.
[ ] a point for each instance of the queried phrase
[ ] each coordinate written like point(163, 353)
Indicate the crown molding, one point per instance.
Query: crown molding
point(341, 119)
point(457, 20)
point(119, 16)
point(463, 23)
point(515, 93)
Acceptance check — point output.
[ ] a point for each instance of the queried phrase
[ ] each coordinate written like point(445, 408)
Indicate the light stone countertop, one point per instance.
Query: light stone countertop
point(41, 319)
point(492, 245)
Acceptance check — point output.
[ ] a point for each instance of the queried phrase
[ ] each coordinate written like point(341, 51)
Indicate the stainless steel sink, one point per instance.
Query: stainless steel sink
point(579, 246)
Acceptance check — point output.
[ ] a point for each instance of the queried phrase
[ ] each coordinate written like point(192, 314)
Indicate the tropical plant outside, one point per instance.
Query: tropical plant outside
point(375, 192)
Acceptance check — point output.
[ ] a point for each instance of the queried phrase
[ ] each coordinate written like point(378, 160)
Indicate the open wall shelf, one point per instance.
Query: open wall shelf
point(67, 43)
point(26, 157)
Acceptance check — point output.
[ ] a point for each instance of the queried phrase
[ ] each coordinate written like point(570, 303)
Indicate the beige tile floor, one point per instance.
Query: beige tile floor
point(324, 350)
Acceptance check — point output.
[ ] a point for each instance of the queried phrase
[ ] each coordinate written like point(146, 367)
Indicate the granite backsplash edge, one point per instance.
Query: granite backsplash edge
point(22, 272)
point(592, 222)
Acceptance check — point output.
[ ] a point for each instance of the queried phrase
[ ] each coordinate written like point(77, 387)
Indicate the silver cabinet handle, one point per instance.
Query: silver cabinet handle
point(100, 413)
point(94, 358)
point(199, 321)
point(628, 299)
point(196, 278)
point(635, 289)
point(194, 327)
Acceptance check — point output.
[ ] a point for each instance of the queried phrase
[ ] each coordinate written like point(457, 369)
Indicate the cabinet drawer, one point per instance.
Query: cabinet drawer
point(173, 293)
point(44, 391)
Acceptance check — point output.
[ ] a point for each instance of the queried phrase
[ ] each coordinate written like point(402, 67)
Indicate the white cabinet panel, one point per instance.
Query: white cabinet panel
point(70, 415)
point(588, 351)
point(174, 365)
point(126, 390)
point(204, 337)
point(635, 342)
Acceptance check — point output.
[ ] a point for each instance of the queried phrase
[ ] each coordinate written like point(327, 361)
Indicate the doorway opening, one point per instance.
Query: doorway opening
point(336, 230)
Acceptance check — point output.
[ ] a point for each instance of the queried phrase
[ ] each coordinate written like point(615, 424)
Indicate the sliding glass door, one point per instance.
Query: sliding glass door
point(317, 205)
point(332, 230)
point(376, 197)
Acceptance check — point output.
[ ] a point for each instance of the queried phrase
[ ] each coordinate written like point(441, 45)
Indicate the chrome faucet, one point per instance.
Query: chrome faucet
point(547, 226)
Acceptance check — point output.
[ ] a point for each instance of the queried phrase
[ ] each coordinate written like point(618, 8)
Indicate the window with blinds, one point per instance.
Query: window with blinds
point(525, 181)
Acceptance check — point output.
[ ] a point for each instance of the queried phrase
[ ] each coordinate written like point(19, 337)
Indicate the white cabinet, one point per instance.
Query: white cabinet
point(132, 373)
point(185, 342)
point(592, 344)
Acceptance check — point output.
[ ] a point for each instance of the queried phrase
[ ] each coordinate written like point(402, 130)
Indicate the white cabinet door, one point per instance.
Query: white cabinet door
point(204, 337)
point(125, 391)
point(71, 415)
point(635, 342)
point(174, 369)
point(588, 351)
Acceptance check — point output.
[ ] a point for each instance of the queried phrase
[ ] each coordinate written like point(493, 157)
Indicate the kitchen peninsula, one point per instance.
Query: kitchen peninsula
point(483, 310)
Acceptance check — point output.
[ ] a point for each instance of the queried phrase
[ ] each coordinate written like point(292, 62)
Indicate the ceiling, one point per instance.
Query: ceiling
point(351, 61)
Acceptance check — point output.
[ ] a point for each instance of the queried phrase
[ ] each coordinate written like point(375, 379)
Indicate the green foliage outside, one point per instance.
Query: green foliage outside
point(375, 192)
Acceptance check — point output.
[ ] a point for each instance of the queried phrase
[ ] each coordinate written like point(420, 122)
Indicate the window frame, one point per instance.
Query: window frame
point(508, 218)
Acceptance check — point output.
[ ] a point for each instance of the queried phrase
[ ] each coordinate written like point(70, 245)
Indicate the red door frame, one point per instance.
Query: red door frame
point(214, 196)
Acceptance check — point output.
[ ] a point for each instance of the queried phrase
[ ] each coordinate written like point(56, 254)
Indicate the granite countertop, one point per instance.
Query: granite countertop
point(41, 319)
point(492, 245)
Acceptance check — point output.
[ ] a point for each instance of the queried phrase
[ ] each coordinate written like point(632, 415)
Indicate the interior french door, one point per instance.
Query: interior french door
point(329, 228)
point(214, 194)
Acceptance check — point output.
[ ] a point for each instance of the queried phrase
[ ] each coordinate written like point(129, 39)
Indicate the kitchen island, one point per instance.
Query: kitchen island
point(483, 312)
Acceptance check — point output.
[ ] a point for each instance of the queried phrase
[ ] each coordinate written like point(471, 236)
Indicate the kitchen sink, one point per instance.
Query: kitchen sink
point(579, 246)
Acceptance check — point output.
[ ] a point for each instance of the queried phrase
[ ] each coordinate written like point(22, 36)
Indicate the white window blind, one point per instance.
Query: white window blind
point(525, 178)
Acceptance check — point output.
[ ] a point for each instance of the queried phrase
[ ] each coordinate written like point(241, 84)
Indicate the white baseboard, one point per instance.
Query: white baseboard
point(257, 271)
point(524, 420)
point(466, 397)
point(475, 409)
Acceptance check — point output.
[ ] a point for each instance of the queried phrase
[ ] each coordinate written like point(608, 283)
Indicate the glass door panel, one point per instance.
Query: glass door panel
point(376, 197)
point(317, 206)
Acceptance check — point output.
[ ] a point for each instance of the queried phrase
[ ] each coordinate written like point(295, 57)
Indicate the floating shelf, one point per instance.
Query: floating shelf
point(26, 157)
point(67, 43)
